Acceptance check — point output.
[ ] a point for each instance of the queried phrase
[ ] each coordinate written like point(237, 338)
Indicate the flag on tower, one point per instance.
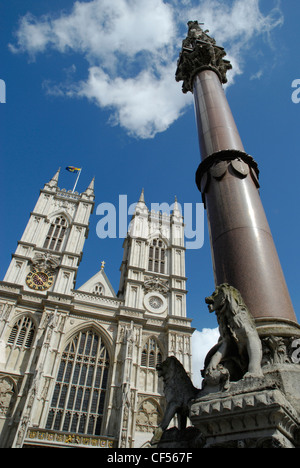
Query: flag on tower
point(73, 169)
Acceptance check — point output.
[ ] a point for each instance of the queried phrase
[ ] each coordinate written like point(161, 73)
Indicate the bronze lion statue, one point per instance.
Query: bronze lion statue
point(239, 349)
point(178, 391)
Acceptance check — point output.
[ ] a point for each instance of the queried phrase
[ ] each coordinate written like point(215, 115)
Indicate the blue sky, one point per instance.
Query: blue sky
point(92, 85)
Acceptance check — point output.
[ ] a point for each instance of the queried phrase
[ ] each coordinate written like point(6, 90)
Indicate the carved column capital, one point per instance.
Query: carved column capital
point(200, 52)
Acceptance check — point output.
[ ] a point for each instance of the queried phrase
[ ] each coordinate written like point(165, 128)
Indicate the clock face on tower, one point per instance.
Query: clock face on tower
point(155, 302)
point(39, 280)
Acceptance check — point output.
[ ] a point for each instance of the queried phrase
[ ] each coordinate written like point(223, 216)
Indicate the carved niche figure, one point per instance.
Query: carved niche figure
point(239, 350)
point(178, 390)
point(7, 394)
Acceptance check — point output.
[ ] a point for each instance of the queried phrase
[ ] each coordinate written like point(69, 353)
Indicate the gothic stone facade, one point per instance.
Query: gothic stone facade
point(77, 366)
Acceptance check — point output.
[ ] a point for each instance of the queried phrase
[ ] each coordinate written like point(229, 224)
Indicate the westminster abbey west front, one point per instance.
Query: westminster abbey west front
point(77, 365)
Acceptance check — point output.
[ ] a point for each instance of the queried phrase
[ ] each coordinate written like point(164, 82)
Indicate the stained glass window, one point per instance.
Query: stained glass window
point(79, 394)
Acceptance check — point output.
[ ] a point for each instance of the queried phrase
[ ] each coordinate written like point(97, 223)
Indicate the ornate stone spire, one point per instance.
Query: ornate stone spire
point(53, 182)
point(200, 52)
point(176, 211)
point(90, 189)
point(141, 206)
point(142, 197)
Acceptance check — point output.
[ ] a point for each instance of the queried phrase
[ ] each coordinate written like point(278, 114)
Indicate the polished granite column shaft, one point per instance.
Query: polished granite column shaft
point(243, 250)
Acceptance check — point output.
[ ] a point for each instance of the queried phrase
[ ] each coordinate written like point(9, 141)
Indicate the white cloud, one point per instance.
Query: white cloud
point(236, 25)
point(238, 20)
point(146, 104)
point(202, 342)
point(257, 76)
point(131, 48)
point(100, 29)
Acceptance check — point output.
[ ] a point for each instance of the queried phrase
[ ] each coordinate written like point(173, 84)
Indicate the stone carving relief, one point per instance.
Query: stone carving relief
point(278, 350)
point(65, 205)
point(156, 284)
point(200, 52)
point(7, 394)
point(45, 261)
point(5, 311)
point(149, 416)
point(261, 417)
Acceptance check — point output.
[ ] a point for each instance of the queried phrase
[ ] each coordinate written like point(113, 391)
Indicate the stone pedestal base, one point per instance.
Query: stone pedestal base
point(253, 413)
point(189, 438)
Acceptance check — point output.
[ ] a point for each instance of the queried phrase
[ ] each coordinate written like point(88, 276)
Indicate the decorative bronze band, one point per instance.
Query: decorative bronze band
point(213, 166)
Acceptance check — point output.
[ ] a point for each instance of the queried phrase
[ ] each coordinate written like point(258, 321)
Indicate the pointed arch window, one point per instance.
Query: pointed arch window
point(79, 395)
point(22, 333)
point(157, 256)
point(56, 233)
point(151, 354)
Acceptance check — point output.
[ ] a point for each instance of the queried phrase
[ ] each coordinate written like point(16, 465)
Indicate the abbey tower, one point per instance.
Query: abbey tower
point(77, 365)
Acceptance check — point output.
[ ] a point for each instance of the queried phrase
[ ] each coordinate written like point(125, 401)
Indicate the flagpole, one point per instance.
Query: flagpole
point(76, 181)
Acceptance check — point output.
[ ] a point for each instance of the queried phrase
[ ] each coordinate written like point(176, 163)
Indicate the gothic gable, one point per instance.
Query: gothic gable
point(99, 285)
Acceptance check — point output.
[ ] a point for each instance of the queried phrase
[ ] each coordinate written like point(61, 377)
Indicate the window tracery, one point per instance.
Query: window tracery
point(157, 256)
point(151, 354)
point(79, 395)
point(22, 333)
point(56, 233)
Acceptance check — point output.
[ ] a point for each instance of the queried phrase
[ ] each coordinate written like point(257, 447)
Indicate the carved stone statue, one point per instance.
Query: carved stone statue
point(6, 394)
point(178, 390)
point(200, 52)
point(156, 284)
point(239, 350)
point(45, 261)
point(196, 33)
